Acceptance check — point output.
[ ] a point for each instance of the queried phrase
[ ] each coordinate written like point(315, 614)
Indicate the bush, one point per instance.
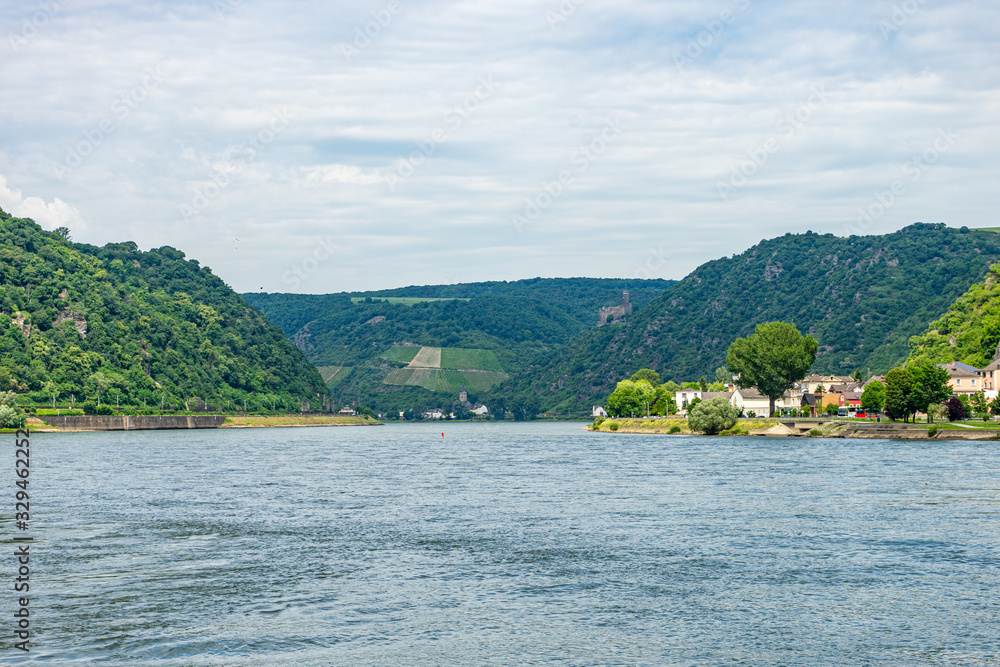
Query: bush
point(613, 426)
point(9, 418)
point(675, 429)
point(52, 412)
point(104, 410)
point(815, 432)
point(932, 431)
point(956, 409)
point(711, 417)
point(598, 421)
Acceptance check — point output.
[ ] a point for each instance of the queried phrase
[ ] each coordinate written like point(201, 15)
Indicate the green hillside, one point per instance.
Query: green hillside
point(861, 297)
point(969, 332)
point(137, 327)
point(486, 332)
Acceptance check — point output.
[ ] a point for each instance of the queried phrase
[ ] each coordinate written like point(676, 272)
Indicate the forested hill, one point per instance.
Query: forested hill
point(139, 327)
point(489, 331)
point(861, 297)
point(576, 298)
point(969, 332)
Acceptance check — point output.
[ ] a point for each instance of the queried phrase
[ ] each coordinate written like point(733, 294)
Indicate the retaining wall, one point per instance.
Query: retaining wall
point(131, 423)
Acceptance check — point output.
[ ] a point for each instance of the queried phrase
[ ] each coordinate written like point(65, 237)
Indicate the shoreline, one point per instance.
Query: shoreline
point(804, 428)
point(92, 424)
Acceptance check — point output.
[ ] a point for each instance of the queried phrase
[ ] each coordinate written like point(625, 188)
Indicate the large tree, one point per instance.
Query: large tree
point(899, 393)
point(772, 359)
point(930, 386)
point(873, 397)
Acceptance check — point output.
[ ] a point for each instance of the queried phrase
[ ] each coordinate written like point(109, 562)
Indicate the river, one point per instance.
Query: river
point(507, 543)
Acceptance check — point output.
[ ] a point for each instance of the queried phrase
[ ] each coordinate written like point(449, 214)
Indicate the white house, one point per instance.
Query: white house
point(434, 414)
point(751, 400)
point(684, 397)
point(479, 409)
point(598, 411)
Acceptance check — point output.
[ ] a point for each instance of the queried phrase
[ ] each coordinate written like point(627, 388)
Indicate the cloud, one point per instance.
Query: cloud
point(49, 215)
point(720, 116)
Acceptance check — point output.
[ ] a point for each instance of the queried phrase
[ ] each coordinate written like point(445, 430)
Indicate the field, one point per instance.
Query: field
point(334, 375)
point(444, 380)
point(427, 357)
point(401, 353)
point(470, 359)
point(404, 300)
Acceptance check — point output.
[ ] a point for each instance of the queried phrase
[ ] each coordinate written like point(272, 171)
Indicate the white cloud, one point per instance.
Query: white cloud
point(351, 121)
point(49, 215)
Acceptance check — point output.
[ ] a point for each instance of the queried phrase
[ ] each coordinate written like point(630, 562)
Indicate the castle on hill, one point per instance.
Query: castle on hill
point(615, 314)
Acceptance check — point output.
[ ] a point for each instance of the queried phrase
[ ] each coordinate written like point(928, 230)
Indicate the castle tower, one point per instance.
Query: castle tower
point(463, 396)
point(625, 302)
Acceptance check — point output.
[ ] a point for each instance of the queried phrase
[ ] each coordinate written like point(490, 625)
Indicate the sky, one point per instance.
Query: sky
point(319, 147)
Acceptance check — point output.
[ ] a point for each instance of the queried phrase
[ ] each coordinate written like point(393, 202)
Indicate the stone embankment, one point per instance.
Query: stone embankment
point(131, 422)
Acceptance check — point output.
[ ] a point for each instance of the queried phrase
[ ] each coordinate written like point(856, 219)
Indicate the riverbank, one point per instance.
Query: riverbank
point(808, 428)
point(287, 421)
point(83, 423)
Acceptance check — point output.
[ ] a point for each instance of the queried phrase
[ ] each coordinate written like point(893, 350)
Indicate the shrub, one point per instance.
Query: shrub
point(52, 412)
point(598, 421)
point(956, 409)
point(815, 432)
point(613, 426)
point(9, 418)
point(712, 416)
point(932, 431)
point(675, 429)
point(104, 410)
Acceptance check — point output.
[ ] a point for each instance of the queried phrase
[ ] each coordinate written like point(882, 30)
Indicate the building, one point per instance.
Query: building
point(810, 382)
point(479, 410)
point(684, 397)
point(964, 379)
point(990, 379)
point(750, 400)
point(615, 314)
point(598, 411)
point(463, 396)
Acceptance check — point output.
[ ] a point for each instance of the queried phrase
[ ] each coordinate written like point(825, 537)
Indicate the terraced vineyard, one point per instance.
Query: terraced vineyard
point(446, 369)
point(334, 375)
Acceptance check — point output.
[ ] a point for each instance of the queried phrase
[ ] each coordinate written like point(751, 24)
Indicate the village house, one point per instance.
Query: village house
point(809, 383)
point(963, 378)
point(751, 400)
point(598, 411)
point(989, 379)
point(684, 397)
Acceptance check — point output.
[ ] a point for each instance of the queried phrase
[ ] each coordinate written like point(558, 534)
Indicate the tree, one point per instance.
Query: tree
point(647, 374)
point(772, 359)
point(995, 406)
point(723, 375)
point(980, 405)
point(898, 394)
point(703, 383)
point(712, 416)
point(631, 398)
point(956, 409)
point(930, 385)
point(873, 397)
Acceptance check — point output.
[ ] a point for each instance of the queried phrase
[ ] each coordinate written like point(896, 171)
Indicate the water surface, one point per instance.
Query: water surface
point(506, 544)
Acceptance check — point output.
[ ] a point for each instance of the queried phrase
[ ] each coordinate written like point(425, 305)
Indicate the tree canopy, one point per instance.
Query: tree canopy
point(772, 359)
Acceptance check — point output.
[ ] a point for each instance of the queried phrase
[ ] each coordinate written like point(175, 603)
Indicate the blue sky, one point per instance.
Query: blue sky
point(321, 147)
